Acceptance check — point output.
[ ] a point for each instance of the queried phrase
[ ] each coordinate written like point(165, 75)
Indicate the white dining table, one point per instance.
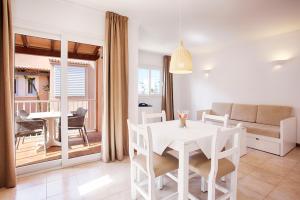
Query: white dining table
point(50, 117)
point(197, 135)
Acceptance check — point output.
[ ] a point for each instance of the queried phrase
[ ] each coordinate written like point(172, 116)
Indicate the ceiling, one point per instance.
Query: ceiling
point(206, 24)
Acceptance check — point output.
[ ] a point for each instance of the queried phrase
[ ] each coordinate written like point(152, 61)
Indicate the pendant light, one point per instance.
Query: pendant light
point(181, 59)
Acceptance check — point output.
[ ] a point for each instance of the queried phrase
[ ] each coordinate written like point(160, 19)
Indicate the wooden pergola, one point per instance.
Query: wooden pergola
point(47, 47)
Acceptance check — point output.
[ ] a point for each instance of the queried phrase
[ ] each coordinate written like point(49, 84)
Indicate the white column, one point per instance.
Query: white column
point(64, 99)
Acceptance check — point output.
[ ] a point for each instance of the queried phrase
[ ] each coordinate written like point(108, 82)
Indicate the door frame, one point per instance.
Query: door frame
point(65, 161)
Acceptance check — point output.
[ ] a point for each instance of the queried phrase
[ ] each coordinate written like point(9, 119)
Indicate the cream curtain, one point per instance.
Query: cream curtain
point(167, 93)
point(115, 111)
point(7, 151)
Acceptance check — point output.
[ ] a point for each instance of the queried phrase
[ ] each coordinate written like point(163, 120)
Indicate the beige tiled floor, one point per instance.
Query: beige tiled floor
point(261, 176)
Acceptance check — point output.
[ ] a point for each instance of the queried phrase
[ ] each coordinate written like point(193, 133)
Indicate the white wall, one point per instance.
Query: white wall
point(58, 19)
point(153, 59)
point(181, 94)
point(133, 54)
point(243, 73)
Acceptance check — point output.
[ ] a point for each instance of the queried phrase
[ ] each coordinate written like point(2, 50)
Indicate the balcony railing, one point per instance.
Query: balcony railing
point(54, 106)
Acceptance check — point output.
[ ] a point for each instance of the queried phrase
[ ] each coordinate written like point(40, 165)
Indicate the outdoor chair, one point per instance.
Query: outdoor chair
point(29, 127)
point(77, 122)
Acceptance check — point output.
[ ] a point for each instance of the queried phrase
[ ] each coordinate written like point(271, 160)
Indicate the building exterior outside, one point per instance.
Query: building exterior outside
point(37, 85)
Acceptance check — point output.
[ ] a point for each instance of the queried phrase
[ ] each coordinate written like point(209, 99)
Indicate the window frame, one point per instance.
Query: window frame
point(149, 68)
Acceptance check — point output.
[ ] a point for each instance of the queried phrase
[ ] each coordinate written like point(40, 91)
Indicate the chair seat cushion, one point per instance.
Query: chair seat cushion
point(162, 164)
point(201, 165)
point(28, 132)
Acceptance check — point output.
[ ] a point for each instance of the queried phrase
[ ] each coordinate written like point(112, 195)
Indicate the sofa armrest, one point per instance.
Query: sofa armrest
point(288, 134)
point(200, 112)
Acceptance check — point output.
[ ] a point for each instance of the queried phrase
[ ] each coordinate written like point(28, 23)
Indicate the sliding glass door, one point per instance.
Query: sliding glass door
point(57, 88)
point(37, 109)
point(83, 134)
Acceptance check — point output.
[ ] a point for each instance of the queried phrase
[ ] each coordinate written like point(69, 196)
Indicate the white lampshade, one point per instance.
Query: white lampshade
point(181, 61)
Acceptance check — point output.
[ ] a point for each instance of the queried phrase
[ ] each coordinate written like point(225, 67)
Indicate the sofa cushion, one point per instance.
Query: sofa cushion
point(254, 128)
point(244, 112)
point(231, 123)
point(262, 129)
point(200, 113)
point(272, 115)
point(234, 122)
point(213, 122)
point(221, 109)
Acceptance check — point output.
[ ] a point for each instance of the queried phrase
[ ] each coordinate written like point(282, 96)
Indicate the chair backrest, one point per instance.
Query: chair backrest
point(147, 116)
point(28, 125)
point(229, 137)
point(215, 118)
point(23, 113)
point(81, 111)
point(76, 121)
point(140, 140)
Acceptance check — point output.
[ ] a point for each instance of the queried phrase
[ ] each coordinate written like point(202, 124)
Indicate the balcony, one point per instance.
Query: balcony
point(27, 152)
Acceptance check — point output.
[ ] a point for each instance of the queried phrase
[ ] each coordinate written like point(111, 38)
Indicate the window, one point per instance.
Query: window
point(143, 84)
point(149, 81)
point(155, 82)
point(76, 81)
point(31, 87)
point(26, 86)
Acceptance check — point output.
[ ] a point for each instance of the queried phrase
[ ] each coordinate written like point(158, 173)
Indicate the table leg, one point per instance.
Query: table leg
point(183, 174)
point(52, 128)
point(203, 185)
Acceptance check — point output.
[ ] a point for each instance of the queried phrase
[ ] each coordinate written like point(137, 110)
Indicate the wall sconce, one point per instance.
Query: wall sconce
point(207, 71)
point(278, 64)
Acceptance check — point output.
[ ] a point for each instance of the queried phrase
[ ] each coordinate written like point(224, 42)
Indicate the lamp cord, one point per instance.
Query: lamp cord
point(179, 20)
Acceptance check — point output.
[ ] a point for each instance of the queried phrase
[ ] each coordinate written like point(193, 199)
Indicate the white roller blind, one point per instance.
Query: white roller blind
point(76, 81)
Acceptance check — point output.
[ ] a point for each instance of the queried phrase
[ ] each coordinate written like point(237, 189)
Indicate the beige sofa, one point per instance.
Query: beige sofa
point(269, 128)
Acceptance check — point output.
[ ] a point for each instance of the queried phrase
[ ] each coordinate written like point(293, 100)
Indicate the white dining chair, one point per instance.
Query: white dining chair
point(206, 118)
point(149, 118)
point(146, 117)
point(222, 163)
point(149, 163)
point(210, 119)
